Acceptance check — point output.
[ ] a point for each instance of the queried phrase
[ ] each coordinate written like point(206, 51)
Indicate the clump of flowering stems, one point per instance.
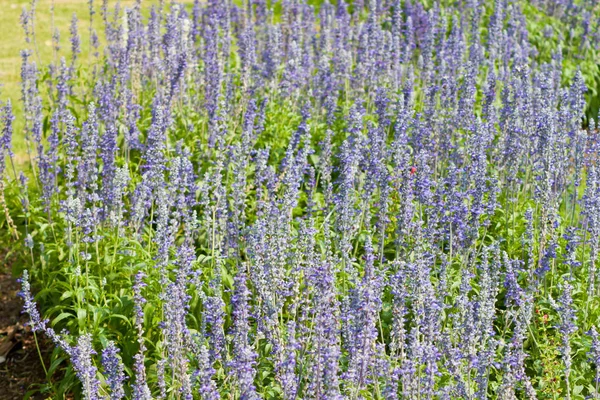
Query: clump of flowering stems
point(281, 200)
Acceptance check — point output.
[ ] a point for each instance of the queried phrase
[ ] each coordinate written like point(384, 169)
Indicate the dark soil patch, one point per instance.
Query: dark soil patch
point(20, 368)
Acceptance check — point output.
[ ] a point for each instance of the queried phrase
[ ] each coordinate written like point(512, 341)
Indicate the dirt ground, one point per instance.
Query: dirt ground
point(20, 368)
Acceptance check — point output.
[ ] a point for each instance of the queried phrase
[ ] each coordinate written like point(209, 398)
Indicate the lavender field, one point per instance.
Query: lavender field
point(295, 199)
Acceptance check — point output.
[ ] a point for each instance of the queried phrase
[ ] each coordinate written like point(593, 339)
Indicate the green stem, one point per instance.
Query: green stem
point(39, 351)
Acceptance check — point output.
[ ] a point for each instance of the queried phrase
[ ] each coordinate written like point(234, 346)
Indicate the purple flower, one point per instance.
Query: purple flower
point(567, 326)
point(244, 356)
point(595, 353)
point(360, 323)
point(81, 358)
point(75, 42)
point(114, 371)
point(140, 385)
point(29, 305)
point(6, 120)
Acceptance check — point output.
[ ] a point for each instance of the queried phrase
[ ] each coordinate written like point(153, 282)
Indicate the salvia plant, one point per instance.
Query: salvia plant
point(382, 199)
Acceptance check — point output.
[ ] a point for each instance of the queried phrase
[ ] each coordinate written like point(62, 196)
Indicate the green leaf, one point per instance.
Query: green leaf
point(81, 317)
point(55, 364)
point(66, 295)
point(60, 317)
